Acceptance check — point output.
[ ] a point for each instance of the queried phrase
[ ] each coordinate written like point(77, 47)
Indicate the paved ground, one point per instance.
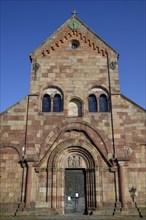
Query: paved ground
point(72, 218)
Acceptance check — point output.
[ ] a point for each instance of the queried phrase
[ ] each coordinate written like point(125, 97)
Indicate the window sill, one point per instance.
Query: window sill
point(98, 113)
point(51, 113)
point(75, 116)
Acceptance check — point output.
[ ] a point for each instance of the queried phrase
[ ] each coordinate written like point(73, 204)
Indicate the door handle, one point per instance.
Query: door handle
point(74, 197)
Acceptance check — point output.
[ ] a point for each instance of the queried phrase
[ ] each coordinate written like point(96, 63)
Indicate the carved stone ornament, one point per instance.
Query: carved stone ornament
point(129, 151)
point(74, 24)
point(74, 161)
point(35, 66)
point(113, 65)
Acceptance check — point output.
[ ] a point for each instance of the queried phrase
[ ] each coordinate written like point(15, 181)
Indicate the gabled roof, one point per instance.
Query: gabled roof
point(96, 35)
point(66, 30)
point(133, 103)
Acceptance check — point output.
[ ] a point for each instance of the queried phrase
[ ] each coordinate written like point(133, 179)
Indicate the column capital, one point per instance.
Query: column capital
point(121, 163)
point(31, 158)
point(29, 164)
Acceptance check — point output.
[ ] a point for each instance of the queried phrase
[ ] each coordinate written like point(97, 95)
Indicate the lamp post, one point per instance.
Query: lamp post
point(132, 192)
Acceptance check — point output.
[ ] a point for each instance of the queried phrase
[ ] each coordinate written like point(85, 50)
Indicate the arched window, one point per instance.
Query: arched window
point(57, 103)
point(46, 103)
point(75, 108)
point(103, 105)
point(92, 103)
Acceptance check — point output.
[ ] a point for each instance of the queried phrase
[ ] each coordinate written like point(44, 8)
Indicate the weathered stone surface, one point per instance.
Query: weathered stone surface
point(36, 145)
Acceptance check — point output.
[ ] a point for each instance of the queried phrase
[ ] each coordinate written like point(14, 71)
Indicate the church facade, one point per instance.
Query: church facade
point(75, 144)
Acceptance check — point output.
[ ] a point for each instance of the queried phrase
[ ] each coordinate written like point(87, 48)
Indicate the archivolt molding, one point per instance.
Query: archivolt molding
point(4, 146)
point(76, 98)
point(96, 86)
point(52, 86)
point(95, 137)
point(63, 153)
point(91, 43)
point(79, 146)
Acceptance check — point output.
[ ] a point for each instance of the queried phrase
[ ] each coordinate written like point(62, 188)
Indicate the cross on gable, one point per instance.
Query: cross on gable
point(74, 12)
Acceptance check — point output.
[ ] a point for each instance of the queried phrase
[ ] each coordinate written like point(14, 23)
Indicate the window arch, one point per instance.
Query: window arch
point(46, 103)
point(92, 103)
point(103, 104)
point(57, 103)
point(75, 108)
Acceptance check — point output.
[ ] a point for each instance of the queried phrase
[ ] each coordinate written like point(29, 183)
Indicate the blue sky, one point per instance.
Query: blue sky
point(25, 24)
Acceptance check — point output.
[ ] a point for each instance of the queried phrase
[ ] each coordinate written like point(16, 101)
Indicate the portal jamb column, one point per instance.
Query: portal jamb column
point(29, 184)
point(122, 182)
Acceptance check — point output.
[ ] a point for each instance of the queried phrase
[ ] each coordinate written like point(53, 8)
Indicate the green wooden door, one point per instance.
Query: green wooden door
point(75, 201)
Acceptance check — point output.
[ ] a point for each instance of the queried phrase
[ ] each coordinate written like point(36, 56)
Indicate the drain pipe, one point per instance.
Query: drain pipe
point(23, 160)
point(26, 127)
point(117, 202)
point(24, 149)
point(111, 110)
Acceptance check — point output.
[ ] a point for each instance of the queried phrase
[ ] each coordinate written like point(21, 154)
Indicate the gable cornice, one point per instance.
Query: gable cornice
point(96, 35)
point(91, 43)
point(132, 102)
point(54, 42)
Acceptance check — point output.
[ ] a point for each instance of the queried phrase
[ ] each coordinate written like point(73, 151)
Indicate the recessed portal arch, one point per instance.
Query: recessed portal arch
point(75, 159)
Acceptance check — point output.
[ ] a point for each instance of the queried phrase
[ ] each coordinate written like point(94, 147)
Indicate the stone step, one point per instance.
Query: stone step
point(72, 217)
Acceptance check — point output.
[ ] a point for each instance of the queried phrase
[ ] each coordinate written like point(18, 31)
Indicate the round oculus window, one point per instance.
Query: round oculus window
point(75, 44)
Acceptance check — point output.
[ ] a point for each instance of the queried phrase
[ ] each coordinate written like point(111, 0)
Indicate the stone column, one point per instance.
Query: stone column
point(98, 110)
point(97, 188)
point(90, 183)
point(24, 184)
point(53, 188)
point(121, 182)
point(28, 184)
point(52, 98)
